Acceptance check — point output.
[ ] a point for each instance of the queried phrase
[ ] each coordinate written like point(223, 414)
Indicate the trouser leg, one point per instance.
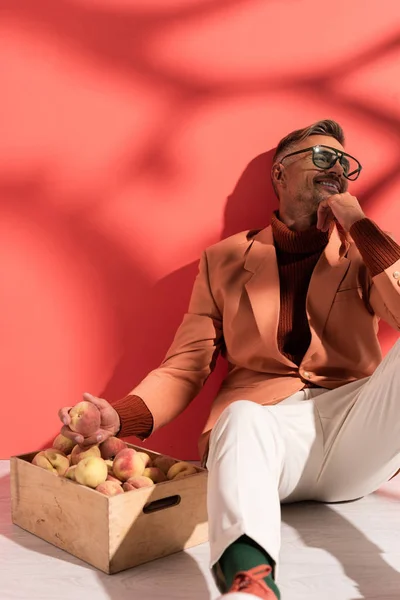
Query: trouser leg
point(258, 457)
point(361, 423)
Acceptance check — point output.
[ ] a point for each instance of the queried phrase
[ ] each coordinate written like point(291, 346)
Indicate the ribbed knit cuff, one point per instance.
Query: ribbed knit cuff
point(377, 248)
point(135, 417)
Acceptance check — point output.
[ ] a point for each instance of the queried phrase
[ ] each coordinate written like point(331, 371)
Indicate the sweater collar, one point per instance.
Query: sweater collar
point(297, 242)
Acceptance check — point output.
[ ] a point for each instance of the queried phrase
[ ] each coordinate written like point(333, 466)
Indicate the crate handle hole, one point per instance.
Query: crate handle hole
point(161, 504)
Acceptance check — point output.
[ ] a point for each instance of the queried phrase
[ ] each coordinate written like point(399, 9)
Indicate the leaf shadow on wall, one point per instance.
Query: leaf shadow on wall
point(29, 199)
point(249, 206)
point(122, 41)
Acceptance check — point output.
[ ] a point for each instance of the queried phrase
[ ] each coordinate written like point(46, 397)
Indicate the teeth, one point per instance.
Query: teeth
point(329, 184)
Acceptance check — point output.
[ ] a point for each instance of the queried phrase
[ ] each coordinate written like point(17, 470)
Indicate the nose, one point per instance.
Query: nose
point(337, 169)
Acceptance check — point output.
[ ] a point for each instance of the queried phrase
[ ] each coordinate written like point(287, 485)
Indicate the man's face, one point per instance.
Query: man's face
point(302, 184)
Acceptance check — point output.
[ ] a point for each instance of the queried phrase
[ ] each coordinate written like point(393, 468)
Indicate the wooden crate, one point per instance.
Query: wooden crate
point(110, 533)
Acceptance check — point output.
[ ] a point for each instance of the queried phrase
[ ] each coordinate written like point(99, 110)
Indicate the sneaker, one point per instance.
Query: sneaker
point(252, 583)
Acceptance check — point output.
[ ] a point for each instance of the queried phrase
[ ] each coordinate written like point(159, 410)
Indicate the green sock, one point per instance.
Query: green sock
point(245, 554)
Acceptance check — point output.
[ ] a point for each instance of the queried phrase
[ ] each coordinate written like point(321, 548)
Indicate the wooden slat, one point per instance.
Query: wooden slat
point(136, 537)
point(68, 515)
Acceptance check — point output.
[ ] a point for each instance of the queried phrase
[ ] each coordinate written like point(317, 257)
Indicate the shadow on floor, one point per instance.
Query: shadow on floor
point(321, 526)
point(176, 577)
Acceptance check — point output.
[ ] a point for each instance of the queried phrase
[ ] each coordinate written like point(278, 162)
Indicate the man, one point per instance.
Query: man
point(308, 410)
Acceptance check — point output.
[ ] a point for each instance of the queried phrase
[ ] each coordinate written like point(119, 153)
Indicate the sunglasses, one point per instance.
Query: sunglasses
point(324, 157)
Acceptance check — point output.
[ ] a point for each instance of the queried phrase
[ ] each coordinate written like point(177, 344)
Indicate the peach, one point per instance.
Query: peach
point(164, 463)
point(70, 474)
point(91, 471)
point(63, 444)
point(181, 469)
point(155, 474)
point(110, 488)
point(135, 483)
point(112, 478)
point(110, 447)
point(127, 464)
point(52, 460)
point(85, 418)
point(78, 453)
point(109, 464)
point(145, 458)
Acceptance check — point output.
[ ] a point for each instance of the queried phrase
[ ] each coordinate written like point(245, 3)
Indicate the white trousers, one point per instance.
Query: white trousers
point(322, 445)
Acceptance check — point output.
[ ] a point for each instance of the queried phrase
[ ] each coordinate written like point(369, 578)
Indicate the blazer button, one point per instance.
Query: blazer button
point(396, 274)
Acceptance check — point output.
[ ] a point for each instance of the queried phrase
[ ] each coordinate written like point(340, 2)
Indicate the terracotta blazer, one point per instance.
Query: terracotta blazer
point(234, 308)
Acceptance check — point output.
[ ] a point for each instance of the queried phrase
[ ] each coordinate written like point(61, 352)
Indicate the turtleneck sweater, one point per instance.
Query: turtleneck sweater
point(297, 254)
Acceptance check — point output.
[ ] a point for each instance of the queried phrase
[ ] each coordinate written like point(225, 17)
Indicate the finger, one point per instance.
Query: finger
point(321, 214)
point(71, 435)
point(327, 223)
point(99, 402)
point(63, 414)
point(326, 219)
point(96, 438)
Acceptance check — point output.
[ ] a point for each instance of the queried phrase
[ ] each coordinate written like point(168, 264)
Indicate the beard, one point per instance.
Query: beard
point(306, 204)
point(307, 200)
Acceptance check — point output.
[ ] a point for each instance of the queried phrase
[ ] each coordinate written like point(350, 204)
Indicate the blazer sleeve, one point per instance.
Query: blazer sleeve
point(169, 389)
point(381, 254)
point(385, 295)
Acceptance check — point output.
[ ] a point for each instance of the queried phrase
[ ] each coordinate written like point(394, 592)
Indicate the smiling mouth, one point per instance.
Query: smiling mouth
point(329, 185)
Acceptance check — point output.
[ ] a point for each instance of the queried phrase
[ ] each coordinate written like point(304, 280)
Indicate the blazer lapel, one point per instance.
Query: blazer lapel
point(325, 281)
point(264, 291)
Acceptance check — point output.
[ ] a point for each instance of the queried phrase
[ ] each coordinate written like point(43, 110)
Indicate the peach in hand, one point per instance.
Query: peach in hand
point(63, 444)
point(110, 447)
point(79, 453)
point(180, 470)
point(127, 464)
point(52, 460)
point(91, 471)
point(85, 418)
point(110, 488)
point(135, 483)
point(155, 474)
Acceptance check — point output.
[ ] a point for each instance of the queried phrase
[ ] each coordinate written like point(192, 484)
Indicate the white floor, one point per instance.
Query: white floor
point(335, 552)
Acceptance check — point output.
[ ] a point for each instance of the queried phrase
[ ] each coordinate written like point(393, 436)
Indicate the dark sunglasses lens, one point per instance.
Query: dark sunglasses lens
point(351, 167)
point(344, 161)
point(324, 158)
point(354, 169)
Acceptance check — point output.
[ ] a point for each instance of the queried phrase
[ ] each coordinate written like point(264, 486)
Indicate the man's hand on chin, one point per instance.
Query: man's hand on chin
point(343, 208)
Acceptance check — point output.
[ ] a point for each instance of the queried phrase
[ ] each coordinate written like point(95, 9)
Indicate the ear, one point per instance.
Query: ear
point(277, 173)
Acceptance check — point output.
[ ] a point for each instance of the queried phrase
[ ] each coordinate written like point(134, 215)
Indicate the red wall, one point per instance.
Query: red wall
point(126, 131)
